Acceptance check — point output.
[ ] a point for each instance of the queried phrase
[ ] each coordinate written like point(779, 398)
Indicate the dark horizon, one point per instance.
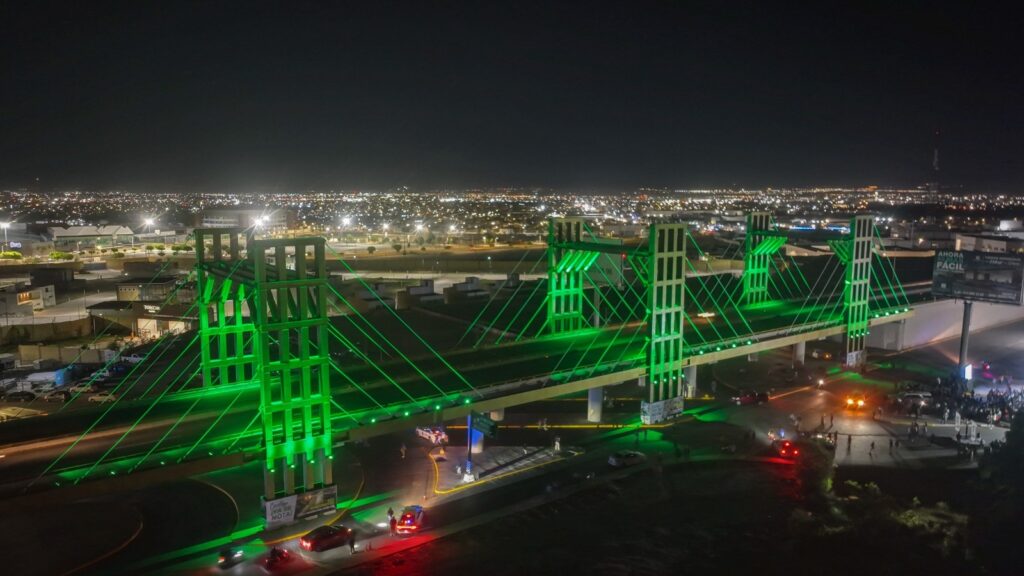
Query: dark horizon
point(252, 96)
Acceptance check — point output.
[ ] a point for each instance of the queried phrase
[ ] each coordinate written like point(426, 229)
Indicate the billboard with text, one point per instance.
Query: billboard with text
point(979, 276)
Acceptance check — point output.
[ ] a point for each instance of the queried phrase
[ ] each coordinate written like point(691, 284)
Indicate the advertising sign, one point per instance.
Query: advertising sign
point(654, 412)
point(288, 509)
point(316, 502)
point(280, 511)
point(979, 276)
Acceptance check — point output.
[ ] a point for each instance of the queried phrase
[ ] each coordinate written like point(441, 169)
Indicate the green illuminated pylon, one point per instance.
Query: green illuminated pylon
point(292, 361)
point(282, 286)
point(857, 289)
point(761, 243)
point(666, 281)
point(565, 275)
point(223, 290)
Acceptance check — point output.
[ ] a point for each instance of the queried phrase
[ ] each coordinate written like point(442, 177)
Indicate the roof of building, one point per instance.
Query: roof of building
point(73, 231)
point(145, 280)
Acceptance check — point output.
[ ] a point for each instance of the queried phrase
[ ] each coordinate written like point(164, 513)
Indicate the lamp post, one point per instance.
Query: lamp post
point(5, 226)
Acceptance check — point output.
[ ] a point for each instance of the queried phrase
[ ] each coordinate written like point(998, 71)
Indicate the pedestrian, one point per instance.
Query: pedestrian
point(352, 542)
point(822, 421)
point(890, 444)
point(832, 419)
point(393, 526)
point(391, 514)
point(897, 443)
point(849, 441)
point(402, 449)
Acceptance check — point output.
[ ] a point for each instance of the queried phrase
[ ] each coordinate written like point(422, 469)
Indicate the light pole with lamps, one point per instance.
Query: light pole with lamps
point(5, 226)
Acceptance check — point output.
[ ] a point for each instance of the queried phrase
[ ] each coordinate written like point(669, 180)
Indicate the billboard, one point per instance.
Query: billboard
point(979, 276)
point(654, 412)
point(286, 510)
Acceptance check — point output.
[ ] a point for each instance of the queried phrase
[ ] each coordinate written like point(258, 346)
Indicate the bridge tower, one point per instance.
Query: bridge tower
point(855, 252)
point(264, 321)
point(566, 268)
point(660, 266)
point(666, 295)
point(761, 243)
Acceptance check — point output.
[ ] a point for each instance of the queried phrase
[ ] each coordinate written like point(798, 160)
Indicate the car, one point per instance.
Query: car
point(229, 556)
point(786, 449)
point(57, 396)
point(435, 436)
point(82, 389)
point(624, 458)
point(20, 396)
point(745, 397)
point(821, 354)
point(134, 358)
point(103, 397)
point(275, 558)
point(855, 401)
point(411, 520)
point(325, 537)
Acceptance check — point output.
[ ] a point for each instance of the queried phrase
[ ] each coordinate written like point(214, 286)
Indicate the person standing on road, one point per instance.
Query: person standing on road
point(890, 444)
point(872, 446)
point(832, 419)
point(352, 542)
point(393, 526)
point(391, 514)
point(402, 449)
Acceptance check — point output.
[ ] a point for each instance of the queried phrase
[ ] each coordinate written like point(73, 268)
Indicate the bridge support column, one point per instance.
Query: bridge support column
point(326, 467)
point(269, 488)
point(595, 403)
point(289, 479)
point(799, 354)
point(498, 415)
point(308, 472)
point(476, 438)
point(691, 382)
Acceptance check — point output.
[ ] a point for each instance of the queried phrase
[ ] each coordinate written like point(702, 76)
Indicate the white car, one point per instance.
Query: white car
point(102, 397)
point(134, 358)
point(81, 389)
point(624, 458)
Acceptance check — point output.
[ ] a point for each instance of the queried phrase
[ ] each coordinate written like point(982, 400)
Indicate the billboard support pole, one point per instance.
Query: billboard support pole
point(965, 335)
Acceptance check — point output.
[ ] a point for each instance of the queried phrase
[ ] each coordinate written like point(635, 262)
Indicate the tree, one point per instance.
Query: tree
point(397, 248)
point(371, 249)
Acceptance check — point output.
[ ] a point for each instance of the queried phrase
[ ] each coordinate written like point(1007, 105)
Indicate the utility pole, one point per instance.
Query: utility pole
point(965, 334)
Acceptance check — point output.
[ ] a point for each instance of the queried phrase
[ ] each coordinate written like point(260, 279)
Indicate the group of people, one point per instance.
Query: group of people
point(951, 397)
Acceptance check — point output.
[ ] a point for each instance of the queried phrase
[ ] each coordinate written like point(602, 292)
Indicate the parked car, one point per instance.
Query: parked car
point(102, 397)
point(821, 354)
point(20, 396)
point(325, 537)
point(82, 389)
point(57, 396)
point(133, 358)
point(625, 458)
point(412, 520)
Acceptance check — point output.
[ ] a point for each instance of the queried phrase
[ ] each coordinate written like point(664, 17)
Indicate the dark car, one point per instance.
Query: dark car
point(57, 396)
point(325, 537)
point(412, 520)
point(20, 396)
point(786, 449)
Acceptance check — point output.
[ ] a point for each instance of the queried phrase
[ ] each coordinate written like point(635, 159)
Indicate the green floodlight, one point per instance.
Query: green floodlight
point(113, 473)
point(331, 457)
point(701, 352)
point(373, 420)
point(406, 413)
point(466, 401)
point(718, 348)
point(437, 406)
point(733, 344)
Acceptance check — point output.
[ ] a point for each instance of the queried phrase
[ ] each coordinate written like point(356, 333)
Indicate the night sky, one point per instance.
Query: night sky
point(212, 96)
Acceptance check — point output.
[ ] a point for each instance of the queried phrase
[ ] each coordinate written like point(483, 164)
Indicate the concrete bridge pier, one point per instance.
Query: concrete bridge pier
point(595, 403)
point(691, 382)
point(269, 486)
point(799, 353)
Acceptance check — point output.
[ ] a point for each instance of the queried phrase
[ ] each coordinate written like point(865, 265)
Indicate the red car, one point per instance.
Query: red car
point(325, 537)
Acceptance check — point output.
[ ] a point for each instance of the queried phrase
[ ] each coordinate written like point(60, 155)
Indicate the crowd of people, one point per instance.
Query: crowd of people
point(988, 403)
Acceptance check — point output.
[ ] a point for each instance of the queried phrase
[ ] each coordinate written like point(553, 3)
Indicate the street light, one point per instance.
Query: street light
point(5, 226)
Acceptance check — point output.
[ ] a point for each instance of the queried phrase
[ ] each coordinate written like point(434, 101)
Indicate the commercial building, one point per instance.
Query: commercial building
point(244, 217)
point(19, 299)
point(146, 289)
point(87, 237)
